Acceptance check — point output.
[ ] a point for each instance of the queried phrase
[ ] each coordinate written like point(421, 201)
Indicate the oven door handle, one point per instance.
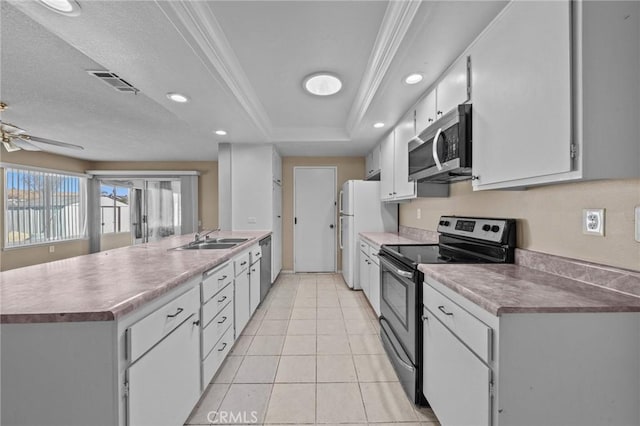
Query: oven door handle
point(394, 269)
point(434, 149)
point(398, 357)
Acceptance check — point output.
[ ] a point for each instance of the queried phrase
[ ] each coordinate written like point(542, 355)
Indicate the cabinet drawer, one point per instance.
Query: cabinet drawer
point(213, 361)
point(256, 254)
point(211, 308)
point(364, 247)
point(373, 255)
point(241, 263)
point(152, 328)
point(216, 279)
point(216, 328)
point(473, 332)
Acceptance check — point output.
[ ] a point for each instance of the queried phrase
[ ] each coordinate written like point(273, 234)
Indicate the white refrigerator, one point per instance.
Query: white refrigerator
point(361, 211)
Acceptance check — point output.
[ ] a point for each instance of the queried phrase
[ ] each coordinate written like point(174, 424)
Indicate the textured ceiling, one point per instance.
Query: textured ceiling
point(240, 62)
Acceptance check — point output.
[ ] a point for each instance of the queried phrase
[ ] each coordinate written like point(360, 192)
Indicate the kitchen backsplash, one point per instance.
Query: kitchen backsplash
point(549, 217)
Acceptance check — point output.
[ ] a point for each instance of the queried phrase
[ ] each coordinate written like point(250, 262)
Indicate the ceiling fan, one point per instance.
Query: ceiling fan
point(14, 138)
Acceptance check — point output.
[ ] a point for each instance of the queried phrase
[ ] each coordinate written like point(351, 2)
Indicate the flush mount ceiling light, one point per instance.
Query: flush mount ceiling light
point(378, 125)
point(177, 97)
point(65, 7)
point(221, 132)
point(414, 78)
point(322, 84)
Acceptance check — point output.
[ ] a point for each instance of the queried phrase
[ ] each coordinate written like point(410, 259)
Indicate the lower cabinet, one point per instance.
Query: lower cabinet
point(456, 383)
point(254, 286)
point(241, 300)
point(370, 274)
point(164, 383)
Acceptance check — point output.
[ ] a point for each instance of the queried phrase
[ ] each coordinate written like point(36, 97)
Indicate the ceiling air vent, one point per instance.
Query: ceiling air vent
point(114, 81)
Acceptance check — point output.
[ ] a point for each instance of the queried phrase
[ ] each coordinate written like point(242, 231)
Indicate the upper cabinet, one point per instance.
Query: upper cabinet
point(372, 162)
point(555, 101)
point(394, 172)
point(451, 90)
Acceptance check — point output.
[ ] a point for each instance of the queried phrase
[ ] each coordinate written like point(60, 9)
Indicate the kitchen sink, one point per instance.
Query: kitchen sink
point(231, 240)
point(207, 245)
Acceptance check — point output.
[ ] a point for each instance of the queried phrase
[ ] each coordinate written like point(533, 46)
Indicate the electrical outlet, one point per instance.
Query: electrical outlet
point(638, 224)
point(251, 220)
point(418, 213)
point(593, 222)
point(52, 249)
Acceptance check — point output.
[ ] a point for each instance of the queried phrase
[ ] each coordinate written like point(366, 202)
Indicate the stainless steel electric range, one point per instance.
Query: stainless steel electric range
point(461, 240)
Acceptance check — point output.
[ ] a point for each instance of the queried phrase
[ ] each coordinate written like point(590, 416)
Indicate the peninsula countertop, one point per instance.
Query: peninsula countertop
point(107, 285)
point(391, 238)
point(501, 289)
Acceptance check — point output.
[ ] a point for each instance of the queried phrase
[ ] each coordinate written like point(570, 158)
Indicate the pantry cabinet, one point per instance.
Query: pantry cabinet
point(372, 162)
point(555, 101)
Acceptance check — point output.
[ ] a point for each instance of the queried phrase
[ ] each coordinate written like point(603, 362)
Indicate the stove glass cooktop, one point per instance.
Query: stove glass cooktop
point(429, 253)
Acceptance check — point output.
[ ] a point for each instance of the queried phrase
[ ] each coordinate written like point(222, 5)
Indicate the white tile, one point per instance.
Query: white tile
point(266, 345)
point(228, 370)
point(330, 313)
point(359, 326)
point(333, 345)
point(336, 368)
point(339, 403)
point(299, 345)
point(273, 328)
point(374, 368)
point(257, 369)
point(331, 327)
point(246, 400)
point(209, 402)
point(303, 313)
point(302, 327)
point(292, 403)
point(277, 314)
point(366, 344)
point(297, 369)
point(386, 402)
point(241, 345)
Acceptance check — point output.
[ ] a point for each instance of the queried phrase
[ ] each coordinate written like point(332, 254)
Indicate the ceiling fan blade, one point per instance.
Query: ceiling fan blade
point(49, 141)
point(10, 146)
point(24, 144)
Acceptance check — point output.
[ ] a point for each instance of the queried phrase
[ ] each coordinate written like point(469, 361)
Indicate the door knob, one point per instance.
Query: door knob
point(331, 226)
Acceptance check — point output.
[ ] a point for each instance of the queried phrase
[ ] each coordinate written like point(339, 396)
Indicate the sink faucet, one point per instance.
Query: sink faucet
point(198, 237)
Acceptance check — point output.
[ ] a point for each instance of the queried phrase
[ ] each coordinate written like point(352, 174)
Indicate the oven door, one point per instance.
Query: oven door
point(398, 304)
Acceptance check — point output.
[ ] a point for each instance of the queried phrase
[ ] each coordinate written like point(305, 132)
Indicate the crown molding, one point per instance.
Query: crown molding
point(395, 24)
point(196, 23)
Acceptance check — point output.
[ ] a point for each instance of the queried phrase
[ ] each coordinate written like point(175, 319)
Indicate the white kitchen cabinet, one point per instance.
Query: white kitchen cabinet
point(372, 162)
point(241, 297)
point(394, 172)
point(425, 112)
point(452, 89)
point(370, 274)
point(254, 280)
point(250, 193)
point(164, 385)
point(582, 367)
point(555, 102)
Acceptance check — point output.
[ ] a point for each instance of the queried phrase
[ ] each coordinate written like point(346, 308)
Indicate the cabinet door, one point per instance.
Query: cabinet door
point(164, 384)
point(364, 273)
point(403, 188)
point(387, 168)
point(276, 233)
point(425, 112)
point(368, 162)
point(374, 286)
point(375, 159)
point(521, 80)
point(254, 287)
point(241, 300)
point(277, 167)
point(452, 89)
point(453, 377)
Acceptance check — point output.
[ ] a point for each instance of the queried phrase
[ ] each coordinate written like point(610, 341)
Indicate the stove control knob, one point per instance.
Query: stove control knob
point(441, 223)
point(486, 228)
point(495, 228)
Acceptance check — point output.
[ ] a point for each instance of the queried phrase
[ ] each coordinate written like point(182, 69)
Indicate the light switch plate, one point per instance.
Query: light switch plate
point(593, 222)
point(418, 213)
point(638, 224)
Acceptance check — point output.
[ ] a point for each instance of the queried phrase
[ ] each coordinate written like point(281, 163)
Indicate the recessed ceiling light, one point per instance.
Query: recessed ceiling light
point(66, 7)
point(413, 78)
point(177, 97)
point(221, 132)
point(378, 125)
point(322, 84)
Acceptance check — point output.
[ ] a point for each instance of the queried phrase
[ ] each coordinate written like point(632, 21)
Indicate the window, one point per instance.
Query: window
point(42, 207)
point(115, 215)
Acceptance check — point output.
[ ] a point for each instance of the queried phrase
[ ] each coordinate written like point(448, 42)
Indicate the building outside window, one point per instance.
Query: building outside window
point(43, 207)
point(115, 214)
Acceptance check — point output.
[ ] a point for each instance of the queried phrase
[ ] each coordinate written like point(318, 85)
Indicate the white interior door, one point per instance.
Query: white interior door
point(314, 219)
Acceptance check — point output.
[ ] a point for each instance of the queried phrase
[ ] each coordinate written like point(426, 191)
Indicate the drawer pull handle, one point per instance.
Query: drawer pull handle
point(224, 277)
point(445, 312)
point(425, 318)
point(224, 345)
point(223, 320)
point(223, 299)
point(196, 322)
point(176, 314)
point(243, 263)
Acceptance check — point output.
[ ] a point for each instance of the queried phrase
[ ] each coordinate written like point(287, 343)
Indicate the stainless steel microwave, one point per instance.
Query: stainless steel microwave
point(442, 152)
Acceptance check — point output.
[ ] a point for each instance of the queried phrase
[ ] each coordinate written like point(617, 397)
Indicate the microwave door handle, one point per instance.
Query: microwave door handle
point(434, 146)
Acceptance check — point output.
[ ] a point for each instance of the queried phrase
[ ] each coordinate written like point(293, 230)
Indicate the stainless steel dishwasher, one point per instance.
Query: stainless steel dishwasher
point(265, 267)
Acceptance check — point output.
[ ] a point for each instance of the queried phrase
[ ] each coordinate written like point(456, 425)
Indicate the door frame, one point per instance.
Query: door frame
point(335, 213)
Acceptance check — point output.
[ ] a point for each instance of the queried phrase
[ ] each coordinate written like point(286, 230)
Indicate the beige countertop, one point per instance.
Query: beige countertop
point(501, 289)
point(390, 238)
point(107, 285)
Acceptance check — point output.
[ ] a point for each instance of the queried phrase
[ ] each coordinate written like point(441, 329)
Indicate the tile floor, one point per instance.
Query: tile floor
point(310, 355)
